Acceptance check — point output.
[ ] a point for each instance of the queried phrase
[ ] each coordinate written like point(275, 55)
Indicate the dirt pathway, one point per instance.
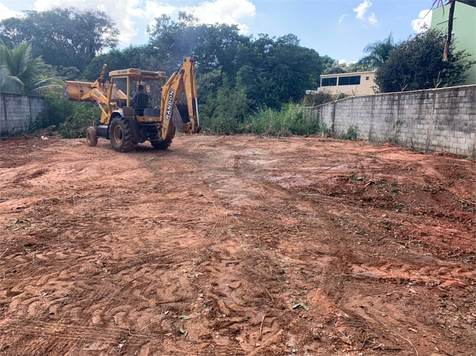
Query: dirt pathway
point(236, 246)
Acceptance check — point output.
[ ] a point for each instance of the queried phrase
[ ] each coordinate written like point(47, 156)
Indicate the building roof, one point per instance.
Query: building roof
point(347, 73)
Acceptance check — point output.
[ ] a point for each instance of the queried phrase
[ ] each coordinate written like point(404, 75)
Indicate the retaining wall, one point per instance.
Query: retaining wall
point(436, 119)
point(17, 111)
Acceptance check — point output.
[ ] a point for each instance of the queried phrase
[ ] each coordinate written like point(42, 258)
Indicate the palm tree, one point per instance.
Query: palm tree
point(21, 71)
point(378, 52)
point(9, 84)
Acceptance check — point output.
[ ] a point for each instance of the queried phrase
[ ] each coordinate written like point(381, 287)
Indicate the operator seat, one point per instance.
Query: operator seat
point(141, 103)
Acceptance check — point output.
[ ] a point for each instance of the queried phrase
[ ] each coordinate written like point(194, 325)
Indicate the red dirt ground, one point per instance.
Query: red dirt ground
point(207, 249)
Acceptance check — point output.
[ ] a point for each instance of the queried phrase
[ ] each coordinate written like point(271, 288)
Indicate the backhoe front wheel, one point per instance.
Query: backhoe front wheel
point(91, 136)
point(120, 135)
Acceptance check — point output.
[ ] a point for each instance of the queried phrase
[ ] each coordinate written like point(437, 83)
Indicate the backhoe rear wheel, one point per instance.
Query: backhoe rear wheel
point(160, 145)
point(91, 136)
point(120, 135)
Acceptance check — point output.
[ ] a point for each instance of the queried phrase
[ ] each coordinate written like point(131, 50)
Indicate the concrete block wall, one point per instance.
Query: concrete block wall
point(362, 116)
point(326, 115)
point(17, 111)
point(436, 119)
point(343, 115)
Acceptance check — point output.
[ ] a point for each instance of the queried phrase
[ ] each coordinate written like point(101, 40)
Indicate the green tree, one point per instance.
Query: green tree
point(328, 62)
point(143, 57)
point(271, 71)
point(335, 70)
point(230, 109)
point(378, 52)
point(416, 64)
point(22, 71)
point(213, 46)
point(358, 67)
point(62, 37)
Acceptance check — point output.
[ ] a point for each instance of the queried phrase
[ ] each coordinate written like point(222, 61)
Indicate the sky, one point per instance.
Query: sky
point(338, 28)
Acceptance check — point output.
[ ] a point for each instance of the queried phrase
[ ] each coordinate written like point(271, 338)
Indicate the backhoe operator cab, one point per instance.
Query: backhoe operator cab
point(130, 115)
point(136, 106)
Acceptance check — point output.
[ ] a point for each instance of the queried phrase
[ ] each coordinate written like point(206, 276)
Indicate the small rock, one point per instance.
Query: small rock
point(453, 283)
point(346, 340)
point(234, 285)
point(120, 346)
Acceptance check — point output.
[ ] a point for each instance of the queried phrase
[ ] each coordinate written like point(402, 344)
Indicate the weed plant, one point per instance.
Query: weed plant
point(352, 133)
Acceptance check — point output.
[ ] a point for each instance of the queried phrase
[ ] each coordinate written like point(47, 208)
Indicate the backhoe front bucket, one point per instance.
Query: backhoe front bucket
point(75, 90)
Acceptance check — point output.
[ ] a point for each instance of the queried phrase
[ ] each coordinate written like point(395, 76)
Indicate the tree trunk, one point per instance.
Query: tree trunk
point(450, 30)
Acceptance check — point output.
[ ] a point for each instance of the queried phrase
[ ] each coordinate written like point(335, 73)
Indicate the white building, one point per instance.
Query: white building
point(357, 83)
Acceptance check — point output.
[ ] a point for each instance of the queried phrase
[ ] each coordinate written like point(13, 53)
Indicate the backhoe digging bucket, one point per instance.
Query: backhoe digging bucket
point(177, 119)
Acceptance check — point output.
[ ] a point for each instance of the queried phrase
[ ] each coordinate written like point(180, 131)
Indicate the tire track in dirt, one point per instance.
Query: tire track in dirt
point(221, 241)
point(107, 293)
point(331, 204)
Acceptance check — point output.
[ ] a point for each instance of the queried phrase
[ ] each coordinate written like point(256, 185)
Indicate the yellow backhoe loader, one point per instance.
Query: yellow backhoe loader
point(126, 121)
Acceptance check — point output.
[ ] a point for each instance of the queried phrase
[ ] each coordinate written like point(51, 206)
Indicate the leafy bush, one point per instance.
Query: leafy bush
point(352, 133)
point(322, 98)
point(291, 119)
point(59, 111)
point(75, 125)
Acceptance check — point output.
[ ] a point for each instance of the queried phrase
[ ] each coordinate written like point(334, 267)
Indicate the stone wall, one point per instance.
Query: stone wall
point(17, 111)
point(432, 120)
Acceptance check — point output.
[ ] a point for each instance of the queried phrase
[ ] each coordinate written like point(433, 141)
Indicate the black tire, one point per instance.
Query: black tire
point(91, 136)
point(160, 145)
point(120, 135)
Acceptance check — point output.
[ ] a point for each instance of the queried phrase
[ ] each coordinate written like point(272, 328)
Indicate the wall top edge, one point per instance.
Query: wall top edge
point(22, 95)
point(472, 86)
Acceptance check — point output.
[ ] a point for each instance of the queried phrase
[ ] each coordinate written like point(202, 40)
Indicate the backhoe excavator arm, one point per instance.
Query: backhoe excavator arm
point(182, 80)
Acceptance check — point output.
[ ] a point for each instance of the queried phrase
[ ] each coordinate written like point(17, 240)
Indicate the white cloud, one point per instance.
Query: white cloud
point(152, 10)
point(121, 11)
point(422, 22)
point(223, 11)
point(361, 10)
point(128, 13)
point(6, 13)
point(341, 19)
point(372, 19)
point(341, 61)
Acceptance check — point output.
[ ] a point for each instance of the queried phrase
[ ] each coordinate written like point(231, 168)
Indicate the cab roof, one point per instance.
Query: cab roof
point(137, 74)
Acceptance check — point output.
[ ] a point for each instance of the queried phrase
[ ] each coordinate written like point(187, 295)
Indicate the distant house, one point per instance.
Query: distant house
point(464, 30)
point(357, 83)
